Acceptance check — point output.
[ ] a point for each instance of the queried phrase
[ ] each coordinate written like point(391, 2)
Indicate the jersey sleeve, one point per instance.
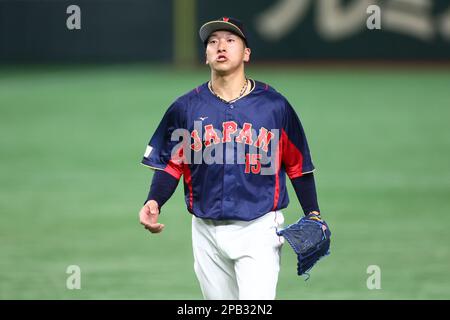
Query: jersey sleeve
point(162, 153)
point(296, 156)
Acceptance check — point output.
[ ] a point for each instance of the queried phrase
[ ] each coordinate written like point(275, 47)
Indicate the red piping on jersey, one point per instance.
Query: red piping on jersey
point(188, 181)
point(197, 89)
point(266, 87)
point(291, 156)
point(175, 165)
point(276, 194)
point(173, 170)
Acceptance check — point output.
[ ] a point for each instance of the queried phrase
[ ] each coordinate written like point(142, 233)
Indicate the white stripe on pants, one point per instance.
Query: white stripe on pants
point(238, 259)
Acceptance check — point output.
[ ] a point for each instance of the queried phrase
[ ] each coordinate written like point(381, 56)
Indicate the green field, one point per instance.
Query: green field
point(71, 185)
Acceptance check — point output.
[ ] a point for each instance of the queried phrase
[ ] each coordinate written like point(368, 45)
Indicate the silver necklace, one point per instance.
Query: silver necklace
point(244, 88)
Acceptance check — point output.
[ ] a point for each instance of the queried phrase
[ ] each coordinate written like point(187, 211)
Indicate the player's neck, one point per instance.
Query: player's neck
point(228, 87)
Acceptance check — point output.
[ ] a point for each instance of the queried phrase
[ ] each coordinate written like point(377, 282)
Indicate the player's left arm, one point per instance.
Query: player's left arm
point(296, 158)
point(305, 189)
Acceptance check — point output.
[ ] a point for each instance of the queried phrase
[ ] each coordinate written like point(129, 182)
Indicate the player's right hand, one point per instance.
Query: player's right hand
point(148, 217)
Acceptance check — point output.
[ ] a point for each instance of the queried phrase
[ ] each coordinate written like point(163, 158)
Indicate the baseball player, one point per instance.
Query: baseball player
point(234, 140)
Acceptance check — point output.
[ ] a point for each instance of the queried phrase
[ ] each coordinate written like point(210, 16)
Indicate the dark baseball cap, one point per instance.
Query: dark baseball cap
point(223, 24)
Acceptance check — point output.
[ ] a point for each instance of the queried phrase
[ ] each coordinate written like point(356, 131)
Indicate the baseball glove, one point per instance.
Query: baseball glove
point(310, 239)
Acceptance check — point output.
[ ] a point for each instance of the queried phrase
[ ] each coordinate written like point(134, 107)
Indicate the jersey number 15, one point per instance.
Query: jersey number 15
point(252, 163)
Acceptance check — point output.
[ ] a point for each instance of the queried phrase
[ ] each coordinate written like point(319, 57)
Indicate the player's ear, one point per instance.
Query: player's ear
point(247, 53)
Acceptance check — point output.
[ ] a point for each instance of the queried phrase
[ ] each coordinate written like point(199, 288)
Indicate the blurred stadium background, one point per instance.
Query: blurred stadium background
point(77, 108)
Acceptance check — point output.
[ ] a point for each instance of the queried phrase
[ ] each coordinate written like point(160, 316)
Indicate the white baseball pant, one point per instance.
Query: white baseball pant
point(238, 259)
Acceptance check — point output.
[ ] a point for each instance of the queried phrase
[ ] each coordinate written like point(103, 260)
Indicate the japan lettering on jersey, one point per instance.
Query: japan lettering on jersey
point(234, 156)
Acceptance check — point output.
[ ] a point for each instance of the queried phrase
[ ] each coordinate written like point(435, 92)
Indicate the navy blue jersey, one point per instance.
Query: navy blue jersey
point(234, 156)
